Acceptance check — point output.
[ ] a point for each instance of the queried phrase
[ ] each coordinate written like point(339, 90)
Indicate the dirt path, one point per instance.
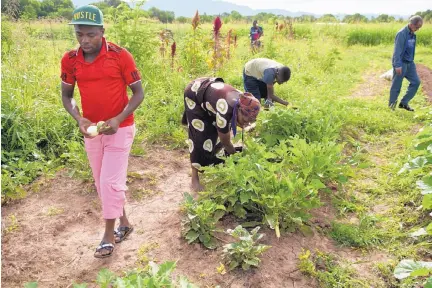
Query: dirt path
point(372, 85)
point(425, 75)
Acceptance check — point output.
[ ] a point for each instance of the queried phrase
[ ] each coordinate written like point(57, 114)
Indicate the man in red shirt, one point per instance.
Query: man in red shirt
point(103, 71)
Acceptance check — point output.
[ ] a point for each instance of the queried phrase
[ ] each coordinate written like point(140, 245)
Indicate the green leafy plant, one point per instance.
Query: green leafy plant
point(423, 163)
point(199, 223)
point(261, 187)
point(425, 185)
point(244, 253)
point(328, 271)
point(311, 124)
point(408, 268)
point(314, 160)
point(154, 276)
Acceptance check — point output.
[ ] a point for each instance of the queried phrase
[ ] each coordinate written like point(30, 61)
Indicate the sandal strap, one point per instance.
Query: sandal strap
point(122, 229)
point(108, 246)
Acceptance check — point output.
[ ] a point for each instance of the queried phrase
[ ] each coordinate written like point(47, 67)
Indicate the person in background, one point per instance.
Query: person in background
point(259, 77)
point(403, 64)
point(212, 110)
point(255, 34)
point(103, 71)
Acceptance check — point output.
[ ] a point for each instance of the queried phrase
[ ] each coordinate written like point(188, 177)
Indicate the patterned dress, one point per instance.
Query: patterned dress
point(207, 112)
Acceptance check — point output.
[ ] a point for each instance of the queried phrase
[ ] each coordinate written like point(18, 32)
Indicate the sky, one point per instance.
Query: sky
point(399, 7)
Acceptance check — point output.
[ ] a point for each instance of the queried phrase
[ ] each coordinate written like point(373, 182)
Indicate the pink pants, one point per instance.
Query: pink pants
point(108, 157)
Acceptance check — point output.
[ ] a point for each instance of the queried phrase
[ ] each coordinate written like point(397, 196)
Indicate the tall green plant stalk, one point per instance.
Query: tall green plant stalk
point(229, 43)
point(173, 52)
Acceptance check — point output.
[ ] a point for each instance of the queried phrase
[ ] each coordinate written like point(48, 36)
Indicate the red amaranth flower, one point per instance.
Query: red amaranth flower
point(173, 49)
point(217, 24)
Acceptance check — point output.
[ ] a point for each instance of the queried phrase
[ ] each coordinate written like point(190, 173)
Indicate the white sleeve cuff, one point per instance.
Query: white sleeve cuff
point(134, 82)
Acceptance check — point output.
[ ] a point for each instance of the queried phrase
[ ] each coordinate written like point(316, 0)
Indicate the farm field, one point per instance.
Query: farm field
point(340, 186)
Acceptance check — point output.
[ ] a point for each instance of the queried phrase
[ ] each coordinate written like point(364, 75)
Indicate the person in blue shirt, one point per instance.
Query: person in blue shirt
point(403, 64)
point(255, 33)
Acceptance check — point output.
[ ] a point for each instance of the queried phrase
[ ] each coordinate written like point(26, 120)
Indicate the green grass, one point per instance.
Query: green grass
point(329, 270)
point(361, 235)
point(361, 34)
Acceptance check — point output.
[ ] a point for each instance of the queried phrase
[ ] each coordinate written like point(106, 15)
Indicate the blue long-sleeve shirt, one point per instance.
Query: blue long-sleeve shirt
point(404, 47)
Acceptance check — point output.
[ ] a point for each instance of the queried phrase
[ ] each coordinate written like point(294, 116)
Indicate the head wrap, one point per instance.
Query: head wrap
point(248, 106)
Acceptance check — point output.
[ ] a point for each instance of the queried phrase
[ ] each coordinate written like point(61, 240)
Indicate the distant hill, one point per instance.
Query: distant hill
point(187, 8)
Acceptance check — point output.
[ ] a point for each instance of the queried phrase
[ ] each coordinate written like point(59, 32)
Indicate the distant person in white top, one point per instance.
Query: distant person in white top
point(259, 77)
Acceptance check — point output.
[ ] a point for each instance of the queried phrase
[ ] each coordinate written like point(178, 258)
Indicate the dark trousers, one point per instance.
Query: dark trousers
point(254, 86)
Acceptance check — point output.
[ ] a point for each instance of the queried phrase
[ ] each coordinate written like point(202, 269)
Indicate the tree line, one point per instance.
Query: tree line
point(34, 9)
